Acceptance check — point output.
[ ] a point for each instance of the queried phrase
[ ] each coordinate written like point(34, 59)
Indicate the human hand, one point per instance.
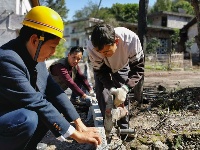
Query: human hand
point(80, 126)
point(90, 99)
point(85, 134)
point(120, 94)
point(92, 93)
point(89, 137)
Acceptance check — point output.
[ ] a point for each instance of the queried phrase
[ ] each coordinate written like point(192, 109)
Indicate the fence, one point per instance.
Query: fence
point(165, 61)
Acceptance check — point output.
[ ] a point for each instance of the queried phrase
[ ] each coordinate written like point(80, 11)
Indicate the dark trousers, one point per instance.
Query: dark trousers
point(21, 129)
point(119, 78)
point(74, 95)
point(79, 84)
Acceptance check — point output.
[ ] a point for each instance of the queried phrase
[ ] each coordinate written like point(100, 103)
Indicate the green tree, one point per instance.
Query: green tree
point(152, 46)
point(174, 38)
point(184, 5)
point(93, 10)
point(125, 12)
point(60, 50)
point(161, 5)
point(89, 10)
point(189, 43)
point(118, 12)
point(58, 5)
point(104, 13)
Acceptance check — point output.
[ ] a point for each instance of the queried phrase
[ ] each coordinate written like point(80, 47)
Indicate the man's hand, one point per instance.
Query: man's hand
point(80, 126)
point(120, 94)
point(85, 134)
point(90, 99)
point(92, 93)
point(89, 137)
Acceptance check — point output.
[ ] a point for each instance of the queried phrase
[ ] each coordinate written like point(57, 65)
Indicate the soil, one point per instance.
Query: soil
point(170, 119)
point(172, 79)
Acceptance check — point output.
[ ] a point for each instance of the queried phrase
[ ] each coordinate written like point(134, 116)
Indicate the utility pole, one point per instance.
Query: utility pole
point(142, 30)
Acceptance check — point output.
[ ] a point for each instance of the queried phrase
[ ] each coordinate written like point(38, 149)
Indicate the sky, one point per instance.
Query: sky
point(74, 5)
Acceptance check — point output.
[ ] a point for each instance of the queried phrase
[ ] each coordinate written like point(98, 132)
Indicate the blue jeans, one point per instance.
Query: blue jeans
point(20, 129)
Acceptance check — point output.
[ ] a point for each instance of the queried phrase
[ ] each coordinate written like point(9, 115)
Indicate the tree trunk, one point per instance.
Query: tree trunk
point(196, 6)
point(142, 27)
point(142, 22)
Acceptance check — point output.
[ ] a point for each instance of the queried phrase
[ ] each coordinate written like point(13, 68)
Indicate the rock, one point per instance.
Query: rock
point(180, 147)
point(158, 145)
point(143, 147)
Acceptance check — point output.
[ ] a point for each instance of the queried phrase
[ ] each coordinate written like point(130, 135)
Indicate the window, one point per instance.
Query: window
point(164, 21)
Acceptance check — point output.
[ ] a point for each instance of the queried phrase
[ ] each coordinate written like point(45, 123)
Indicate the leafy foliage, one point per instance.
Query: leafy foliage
point(189, 43)
point(175, 38)
point(90, 10)
point(162, 5)
point(118, 12)
point(125, 12)
point(58, 5)
point(60, 50)
point(152, 45)
point(183, 5)
point(173, 6)
point(105, 14)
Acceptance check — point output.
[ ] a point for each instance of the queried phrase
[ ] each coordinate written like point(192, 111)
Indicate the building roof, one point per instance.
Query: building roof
point(87, 19)
point(148, 26)
point(189, 24)
point(165, 13)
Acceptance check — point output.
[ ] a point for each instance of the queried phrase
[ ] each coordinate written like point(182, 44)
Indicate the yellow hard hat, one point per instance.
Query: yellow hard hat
point(45, 19)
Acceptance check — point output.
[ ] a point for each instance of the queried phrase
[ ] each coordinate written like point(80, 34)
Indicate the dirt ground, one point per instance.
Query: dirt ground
point(171, 80)
point(170, 116)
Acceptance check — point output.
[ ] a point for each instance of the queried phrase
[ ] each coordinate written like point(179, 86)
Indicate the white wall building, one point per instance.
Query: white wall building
point(188, 33)
point(169, 19)
point(11, 15)
point(75, 31)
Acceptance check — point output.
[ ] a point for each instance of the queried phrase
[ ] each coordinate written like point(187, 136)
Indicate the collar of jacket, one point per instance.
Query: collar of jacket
point(19, 47)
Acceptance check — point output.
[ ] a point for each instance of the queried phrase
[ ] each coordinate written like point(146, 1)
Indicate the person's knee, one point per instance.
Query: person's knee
point(30, 121)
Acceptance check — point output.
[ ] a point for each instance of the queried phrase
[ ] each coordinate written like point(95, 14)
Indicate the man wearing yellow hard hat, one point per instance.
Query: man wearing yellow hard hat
point(31, 103)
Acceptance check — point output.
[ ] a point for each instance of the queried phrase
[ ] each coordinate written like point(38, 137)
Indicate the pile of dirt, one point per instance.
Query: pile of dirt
point(170, 119)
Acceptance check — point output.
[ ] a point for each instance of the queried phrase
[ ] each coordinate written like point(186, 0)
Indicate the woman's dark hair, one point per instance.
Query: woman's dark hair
point(102, 34)
point(76, 49)
point(26, 32)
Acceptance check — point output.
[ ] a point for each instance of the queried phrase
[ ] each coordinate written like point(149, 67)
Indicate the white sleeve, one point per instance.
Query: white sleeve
point(69, 132)
point(95, 57)
point(135, 48)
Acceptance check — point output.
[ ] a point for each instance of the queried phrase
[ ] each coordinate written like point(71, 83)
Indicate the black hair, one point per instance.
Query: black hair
point(76, 49)
point(26, 32)
point(102, 34)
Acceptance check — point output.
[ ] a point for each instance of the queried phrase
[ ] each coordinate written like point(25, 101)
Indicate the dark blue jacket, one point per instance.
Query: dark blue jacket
point(25, 83)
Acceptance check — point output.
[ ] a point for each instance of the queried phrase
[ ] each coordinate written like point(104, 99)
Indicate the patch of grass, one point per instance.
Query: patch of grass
point(173, 131)
point(156, 67)
point(143, 140)
point(158, 137)
point(178, 141)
